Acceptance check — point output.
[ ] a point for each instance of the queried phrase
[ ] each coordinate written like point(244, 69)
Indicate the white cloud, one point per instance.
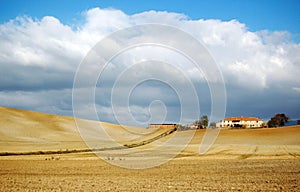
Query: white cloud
point(297, 89)
point(38, 56)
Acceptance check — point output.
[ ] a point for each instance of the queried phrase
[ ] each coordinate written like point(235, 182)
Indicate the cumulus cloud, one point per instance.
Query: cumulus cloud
point(39, 58)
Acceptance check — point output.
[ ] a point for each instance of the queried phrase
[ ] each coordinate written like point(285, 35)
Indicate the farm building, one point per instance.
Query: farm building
point(165, 126)
point(246, 122)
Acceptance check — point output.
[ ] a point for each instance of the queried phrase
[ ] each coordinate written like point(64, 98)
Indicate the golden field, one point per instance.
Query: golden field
point(239, 160)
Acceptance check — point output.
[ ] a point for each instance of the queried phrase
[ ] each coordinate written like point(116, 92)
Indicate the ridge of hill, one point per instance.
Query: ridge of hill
point(23, 131)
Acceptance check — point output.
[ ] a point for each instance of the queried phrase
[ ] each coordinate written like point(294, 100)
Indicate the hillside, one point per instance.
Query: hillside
point(22, 131)
point(251, 143)
point(27, 131)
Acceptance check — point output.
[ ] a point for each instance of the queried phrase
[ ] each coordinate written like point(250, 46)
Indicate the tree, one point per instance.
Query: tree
point(202, 123)
point(278, 120)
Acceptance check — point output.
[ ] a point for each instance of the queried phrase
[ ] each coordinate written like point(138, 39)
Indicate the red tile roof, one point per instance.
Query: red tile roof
point(242, 119)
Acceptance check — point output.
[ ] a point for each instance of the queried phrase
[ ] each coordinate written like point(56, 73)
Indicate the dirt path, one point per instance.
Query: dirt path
point(177, 175)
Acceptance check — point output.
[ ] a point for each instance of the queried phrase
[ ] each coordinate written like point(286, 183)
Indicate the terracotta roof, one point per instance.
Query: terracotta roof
point(242, 119)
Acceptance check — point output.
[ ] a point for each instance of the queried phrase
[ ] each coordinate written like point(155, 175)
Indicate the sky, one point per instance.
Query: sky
point(278, 15)
point(254, 43)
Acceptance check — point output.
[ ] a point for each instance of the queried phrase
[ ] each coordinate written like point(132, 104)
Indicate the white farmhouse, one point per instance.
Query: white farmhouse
point(246, 122)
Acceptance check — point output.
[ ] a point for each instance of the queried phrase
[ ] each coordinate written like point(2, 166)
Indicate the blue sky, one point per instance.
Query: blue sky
point(255, 43)
point(257, 14)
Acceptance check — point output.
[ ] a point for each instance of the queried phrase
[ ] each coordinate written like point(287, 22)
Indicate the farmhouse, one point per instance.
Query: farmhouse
point(246, 122)
point(166, 126)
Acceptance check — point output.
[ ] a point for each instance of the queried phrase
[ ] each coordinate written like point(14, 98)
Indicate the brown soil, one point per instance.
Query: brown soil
point(177, 175)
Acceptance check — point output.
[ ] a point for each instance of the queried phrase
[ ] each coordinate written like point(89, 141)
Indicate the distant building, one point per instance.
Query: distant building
point(165, 126)
point(194, 126)
point(236, 122)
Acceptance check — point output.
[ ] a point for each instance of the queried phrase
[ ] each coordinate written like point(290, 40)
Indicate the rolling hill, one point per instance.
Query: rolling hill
point(28, 131)
point(22, 131)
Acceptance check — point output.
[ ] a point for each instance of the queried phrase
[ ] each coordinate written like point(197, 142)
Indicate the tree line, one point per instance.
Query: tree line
point(277, 120)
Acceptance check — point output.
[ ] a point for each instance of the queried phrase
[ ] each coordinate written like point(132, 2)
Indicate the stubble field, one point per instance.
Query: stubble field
point(239, 160)
point(177, 175)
